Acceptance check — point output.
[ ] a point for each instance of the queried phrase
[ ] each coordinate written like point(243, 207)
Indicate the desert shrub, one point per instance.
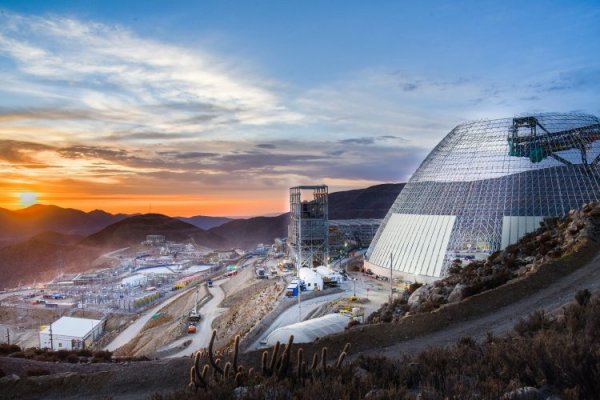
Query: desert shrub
point(37, 371)
point(455, 267)
point(537, 321)
point(583, 297)
point(102, 356)
point(6, 349)
point(467, 341)
point(414, 286)
point(18, 354)
point(72, 358)
point(85, 353)
point(62, 354)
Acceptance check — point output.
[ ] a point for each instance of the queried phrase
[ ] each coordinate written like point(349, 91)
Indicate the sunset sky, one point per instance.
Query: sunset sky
point(218, 107)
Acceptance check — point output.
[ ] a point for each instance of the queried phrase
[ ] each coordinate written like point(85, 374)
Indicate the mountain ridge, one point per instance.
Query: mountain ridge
point(39, 256)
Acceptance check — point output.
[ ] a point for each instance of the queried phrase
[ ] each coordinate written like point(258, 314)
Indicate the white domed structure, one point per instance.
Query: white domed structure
point(484, 186)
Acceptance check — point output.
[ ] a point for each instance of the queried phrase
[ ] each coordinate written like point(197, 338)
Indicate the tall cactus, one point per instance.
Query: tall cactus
point(278, 365)
point(236, 349)
point(211, 357)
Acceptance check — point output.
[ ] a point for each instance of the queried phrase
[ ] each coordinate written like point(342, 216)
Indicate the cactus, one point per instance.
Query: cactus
point(278, 364)
point(192, 383)
point(197, 378)
point(236, 349)
point(324, 359)
point(216, 369)
point(211, 358)
point(315, 362)
point(346, 348)
point(227, 370)
point(281, 365)
point(299, 362)
point(284, 361)
point(274, 358)
point(340, 360)
point(265, 356)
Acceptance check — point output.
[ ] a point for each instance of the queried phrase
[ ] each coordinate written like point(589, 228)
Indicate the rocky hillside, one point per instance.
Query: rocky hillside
point(372, 202)
point(204, 222)
point(246, 233)
point(133, 230)
point(42, 257)
point(555, 238)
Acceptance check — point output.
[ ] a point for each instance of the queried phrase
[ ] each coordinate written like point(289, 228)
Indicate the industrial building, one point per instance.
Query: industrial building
point(484, 186)
point(308, 229)
point(346, 233)
point(69, 333)
point(312, 279)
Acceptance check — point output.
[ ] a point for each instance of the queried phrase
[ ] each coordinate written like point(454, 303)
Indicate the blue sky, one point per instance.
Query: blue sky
point(189, 103)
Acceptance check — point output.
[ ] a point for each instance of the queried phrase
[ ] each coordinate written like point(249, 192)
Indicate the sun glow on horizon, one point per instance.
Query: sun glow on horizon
point(27, 199)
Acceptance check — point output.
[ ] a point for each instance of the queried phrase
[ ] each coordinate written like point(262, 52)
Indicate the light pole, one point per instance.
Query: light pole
point(354, 281)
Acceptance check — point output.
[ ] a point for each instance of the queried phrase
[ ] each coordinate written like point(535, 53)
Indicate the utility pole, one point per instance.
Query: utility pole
point(391, 280)
point(51, 338)
point(299, 263)
point(8, 336)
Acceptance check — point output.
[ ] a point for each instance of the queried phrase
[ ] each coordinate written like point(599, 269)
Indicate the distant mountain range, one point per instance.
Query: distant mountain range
point(204, 222)
point(133, 230)
point(27, 222)
point(41, 240)
point(245, 233)
point(18, 225)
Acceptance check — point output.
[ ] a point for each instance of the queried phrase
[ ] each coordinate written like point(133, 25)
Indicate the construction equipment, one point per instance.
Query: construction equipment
point(194, 314)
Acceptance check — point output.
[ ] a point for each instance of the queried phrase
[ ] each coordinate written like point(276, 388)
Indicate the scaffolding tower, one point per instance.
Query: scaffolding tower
point(308, 236)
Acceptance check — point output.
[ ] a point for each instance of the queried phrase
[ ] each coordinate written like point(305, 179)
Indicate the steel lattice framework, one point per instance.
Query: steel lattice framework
point(308, 236)
point(484, 176)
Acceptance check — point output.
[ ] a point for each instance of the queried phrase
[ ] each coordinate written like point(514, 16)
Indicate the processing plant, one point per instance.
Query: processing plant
point(484, 186)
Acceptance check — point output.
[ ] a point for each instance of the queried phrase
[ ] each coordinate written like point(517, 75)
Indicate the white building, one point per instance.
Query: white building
point(312, 280)
point(68, 333)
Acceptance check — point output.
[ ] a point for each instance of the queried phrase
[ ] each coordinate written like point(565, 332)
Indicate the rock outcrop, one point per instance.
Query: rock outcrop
point(556, 238)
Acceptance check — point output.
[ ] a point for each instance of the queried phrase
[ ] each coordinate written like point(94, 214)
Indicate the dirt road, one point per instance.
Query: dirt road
point(209, 312)
point(503, 320)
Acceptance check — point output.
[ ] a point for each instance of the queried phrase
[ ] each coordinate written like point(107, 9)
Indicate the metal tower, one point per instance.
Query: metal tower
point(308, 230)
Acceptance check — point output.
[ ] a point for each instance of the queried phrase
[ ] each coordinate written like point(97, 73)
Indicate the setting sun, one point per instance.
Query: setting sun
point(27, 199)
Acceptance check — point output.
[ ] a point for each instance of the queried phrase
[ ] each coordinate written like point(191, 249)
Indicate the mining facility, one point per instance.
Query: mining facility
point(484, 186)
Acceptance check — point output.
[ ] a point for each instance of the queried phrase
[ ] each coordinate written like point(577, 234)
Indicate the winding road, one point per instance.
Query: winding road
point(502, 320)
point(209, 312)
